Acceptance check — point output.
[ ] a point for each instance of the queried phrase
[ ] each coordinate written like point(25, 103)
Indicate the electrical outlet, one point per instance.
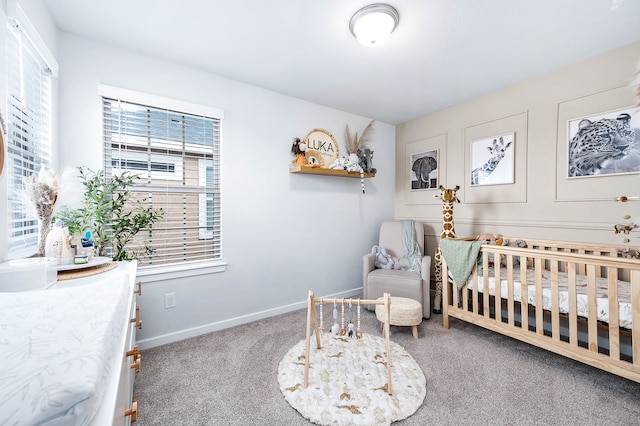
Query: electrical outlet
point(169, 300)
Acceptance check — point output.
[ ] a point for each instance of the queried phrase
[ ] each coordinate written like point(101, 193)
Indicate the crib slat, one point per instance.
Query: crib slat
point(555, 302)
point(485, 285)
point(599, 269)
point(635, 315)
point(592, 305)
point(474, 292)
point(454, 291)
point(465, 297)
point(509, 289)
point(582, 269)
point(614, 315)
point(524, 294)
point(538, 274)
point(445, 295)
point(497, 300)
point(573, 305)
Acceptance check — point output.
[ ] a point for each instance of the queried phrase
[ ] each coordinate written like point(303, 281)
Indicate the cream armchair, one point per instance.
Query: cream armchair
point(399, 283)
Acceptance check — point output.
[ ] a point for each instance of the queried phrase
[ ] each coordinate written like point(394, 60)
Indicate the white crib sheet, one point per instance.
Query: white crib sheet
point(55, 351)
point(624, 293)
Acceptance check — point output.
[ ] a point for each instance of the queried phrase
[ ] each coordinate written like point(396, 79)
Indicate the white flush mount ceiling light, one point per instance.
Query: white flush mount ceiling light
point(373, 24)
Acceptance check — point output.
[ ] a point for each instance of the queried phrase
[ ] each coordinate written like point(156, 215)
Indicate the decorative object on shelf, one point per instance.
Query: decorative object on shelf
point(373, 24)
point(298, 149)
point(346, 164)
point(321, 148)
point(327, 172)
point(365, 155)
point(39, 197)
point(354, 143)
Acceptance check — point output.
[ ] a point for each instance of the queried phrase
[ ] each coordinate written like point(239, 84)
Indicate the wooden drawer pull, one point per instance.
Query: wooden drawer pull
point(133, 411)
point(137, 320)
point(133, 352)
point(138, 290)
point(137, 363)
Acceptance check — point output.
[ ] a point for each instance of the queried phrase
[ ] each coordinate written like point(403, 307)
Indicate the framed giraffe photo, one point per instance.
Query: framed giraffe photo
point(493, 160)
point(424, 170)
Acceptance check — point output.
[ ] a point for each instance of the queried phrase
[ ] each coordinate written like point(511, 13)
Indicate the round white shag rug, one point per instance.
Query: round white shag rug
point(348, 381)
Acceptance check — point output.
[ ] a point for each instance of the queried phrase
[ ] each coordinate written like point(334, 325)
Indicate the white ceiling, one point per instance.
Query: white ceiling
point(442, 53)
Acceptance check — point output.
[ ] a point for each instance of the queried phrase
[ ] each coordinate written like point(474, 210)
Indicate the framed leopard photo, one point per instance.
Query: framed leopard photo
point(423, 170)
point(604, 144)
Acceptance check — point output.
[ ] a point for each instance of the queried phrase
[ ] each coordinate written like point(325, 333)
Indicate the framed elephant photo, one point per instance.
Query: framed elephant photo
point(424, 170)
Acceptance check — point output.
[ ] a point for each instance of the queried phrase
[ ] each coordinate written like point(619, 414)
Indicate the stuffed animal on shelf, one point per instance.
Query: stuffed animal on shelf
point(345, 163)
point(384, 259)
point(366, 160)
point(298, 148)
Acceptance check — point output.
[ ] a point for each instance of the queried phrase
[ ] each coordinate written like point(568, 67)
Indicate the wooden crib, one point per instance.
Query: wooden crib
point(580, 300)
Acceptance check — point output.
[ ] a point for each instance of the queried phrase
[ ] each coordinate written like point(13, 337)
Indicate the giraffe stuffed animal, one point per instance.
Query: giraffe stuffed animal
point(448, 197)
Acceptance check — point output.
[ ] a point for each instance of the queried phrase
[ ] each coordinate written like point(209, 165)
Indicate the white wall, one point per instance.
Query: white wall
point(283, 234)
point(542, 202)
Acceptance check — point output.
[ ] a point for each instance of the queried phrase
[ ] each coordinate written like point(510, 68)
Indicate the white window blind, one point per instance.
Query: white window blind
point(176, 156)
point(28, 123)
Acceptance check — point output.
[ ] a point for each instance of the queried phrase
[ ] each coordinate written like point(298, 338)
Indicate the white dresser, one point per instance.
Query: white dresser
point(118, 405)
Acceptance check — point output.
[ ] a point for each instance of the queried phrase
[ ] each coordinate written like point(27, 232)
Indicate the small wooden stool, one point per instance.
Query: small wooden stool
point(405, 312)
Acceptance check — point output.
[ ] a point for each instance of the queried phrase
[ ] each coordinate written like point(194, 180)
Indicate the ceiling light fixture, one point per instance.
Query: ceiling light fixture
point(373, 24)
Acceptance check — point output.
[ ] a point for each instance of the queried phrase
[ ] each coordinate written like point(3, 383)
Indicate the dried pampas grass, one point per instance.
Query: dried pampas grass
point(70, 190)
point(353, 142)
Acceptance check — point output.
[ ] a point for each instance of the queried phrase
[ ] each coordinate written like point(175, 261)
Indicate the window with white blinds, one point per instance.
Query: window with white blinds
point(28, 122)
point(176, 156)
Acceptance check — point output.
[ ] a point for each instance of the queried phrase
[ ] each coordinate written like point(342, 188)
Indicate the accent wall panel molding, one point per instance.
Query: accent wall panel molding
point(512, 152)
point(594, 187)
point(434, 149)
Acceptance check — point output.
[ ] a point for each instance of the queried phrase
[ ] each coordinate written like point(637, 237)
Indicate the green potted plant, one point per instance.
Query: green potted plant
point(112, 215)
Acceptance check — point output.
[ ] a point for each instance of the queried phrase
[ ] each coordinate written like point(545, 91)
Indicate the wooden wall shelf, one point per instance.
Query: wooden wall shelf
point(328, 172)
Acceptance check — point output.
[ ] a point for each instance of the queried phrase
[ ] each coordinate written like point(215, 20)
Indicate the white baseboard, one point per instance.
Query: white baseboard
point(232, 322)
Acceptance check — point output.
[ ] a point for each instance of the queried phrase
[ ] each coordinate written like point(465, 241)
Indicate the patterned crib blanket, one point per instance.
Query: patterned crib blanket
point(56, 347)
point(624, 293)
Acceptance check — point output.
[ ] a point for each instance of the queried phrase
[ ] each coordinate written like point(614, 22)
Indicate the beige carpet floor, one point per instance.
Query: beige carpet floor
point(473, 377)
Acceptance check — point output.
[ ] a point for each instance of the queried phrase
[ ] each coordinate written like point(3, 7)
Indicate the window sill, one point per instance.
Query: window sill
point(149, 274)
point(22, 253)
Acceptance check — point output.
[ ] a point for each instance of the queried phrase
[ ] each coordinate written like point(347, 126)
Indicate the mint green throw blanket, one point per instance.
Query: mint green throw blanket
point(412, 259)
point(461, 256)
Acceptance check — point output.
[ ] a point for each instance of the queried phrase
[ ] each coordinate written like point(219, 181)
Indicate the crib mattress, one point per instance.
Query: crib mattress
point(56, 347)
point(624, 293)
